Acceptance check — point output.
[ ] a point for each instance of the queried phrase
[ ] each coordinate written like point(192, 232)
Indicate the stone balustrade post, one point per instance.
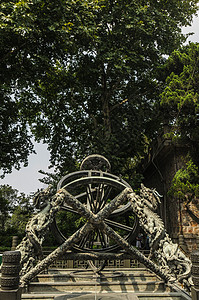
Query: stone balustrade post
point(195, 274)
point(14, 242)
point(10, 269)
point(197, 241)
point(182, 243)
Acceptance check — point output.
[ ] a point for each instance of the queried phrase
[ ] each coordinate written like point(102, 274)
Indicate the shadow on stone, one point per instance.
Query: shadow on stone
point(107, 296)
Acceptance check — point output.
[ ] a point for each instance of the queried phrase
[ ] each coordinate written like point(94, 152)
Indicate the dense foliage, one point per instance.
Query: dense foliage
point(33, 34)
point(180, 99)
point(82, 76)
point(185, 184)
point(15, 210)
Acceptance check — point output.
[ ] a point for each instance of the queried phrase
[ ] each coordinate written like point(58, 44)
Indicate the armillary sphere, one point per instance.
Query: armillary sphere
point(94, 188)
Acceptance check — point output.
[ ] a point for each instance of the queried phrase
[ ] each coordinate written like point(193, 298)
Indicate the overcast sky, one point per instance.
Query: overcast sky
point(27, 179)
point(194, 28)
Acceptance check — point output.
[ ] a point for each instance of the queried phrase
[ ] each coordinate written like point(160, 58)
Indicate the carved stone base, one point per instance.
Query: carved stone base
point(194, 293)
point(11, 295)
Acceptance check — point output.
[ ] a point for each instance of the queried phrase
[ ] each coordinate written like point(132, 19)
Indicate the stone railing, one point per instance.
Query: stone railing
point(68, 263)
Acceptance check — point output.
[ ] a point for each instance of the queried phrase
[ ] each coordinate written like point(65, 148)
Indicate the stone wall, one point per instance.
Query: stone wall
point(190, 226)
point(160, 167)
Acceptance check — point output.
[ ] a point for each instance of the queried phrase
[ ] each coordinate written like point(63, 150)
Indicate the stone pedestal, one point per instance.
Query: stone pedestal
point(195, 275)
point(10, 276)
point(194, 293)
point(11, 295)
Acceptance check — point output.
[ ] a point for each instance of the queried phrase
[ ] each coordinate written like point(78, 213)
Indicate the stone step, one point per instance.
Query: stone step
point(105, 276)
point(95, 286)
point(160, 296)
point(70, 296)
point(38, 296)
point(135, 271)
point(87, 296)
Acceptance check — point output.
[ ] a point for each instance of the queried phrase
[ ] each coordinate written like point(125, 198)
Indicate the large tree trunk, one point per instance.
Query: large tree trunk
point(105, 107)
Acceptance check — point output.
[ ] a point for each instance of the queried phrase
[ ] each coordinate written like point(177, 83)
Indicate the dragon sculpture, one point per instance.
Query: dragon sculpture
point(37, 228)
point(169, 256)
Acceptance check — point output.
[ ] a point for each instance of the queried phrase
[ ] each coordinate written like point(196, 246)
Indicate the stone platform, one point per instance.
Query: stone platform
point(125, 284)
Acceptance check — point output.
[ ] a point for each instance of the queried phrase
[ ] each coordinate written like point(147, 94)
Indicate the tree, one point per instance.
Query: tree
point(21, 214)
point(33, 35)
point(15, 210)
point(86, 73)
point(185, 182)
point(101, 97)
point(8, 201)
point(180, 98)
point(15, 144)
